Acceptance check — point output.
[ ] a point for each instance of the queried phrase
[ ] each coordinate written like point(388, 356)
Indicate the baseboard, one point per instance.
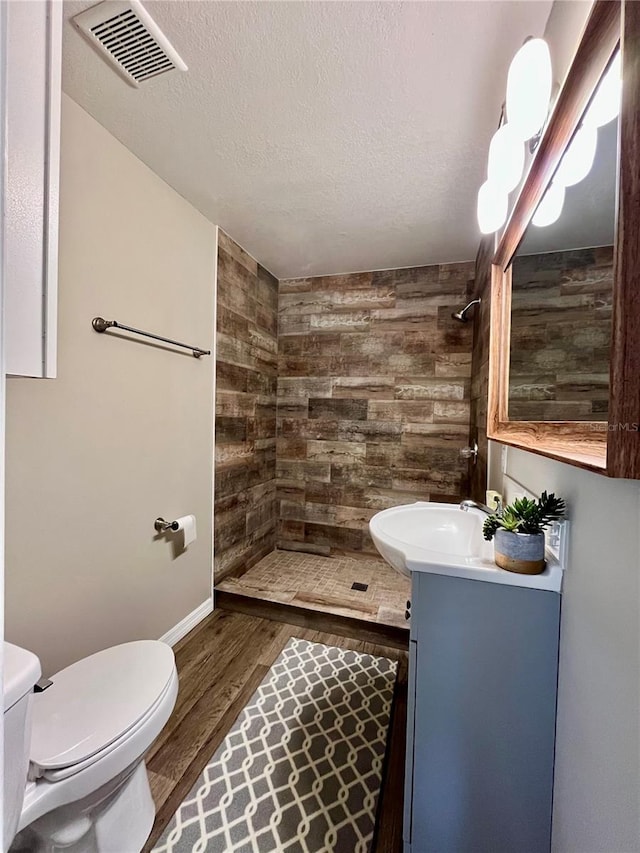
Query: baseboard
point(189, 622)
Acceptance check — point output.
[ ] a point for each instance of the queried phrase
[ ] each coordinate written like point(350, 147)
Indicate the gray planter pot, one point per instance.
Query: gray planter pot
point(519, 552)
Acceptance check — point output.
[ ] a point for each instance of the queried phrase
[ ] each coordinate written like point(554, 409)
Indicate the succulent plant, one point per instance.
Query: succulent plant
point(525, 515)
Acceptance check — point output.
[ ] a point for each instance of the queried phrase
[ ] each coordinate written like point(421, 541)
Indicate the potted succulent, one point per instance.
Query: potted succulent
point(518, 532)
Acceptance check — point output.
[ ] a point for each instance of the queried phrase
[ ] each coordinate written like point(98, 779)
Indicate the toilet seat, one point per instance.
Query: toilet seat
point(106, 767)
point(94, 705)
point(61, 773)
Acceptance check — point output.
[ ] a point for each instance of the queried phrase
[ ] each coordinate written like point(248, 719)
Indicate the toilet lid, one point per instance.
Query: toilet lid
point(97, 700)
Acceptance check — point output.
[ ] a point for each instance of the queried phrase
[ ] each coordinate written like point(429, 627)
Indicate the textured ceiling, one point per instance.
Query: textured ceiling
point(323, 136)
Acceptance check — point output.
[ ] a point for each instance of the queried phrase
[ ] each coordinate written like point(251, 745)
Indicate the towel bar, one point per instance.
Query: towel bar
point(101, 325)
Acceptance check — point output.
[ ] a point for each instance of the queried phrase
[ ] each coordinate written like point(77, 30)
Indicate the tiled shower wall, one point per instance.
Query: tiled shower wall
point(246, 371)
point(373, 400)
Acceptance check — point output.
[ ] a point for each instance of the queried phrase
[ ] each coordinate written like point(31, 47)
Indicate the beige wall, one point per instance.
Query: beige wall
point(597, 776)
point(562, 33)
point(125, 434)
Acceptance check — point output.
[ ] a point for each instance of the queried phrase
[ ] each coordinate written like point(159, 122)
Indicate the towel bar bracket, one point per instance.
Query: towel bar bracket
point(101, 325)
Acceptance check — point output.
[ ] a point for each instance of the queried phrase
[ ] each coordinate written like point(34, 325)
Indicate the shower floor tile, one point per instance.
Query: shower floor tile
point(325, 584)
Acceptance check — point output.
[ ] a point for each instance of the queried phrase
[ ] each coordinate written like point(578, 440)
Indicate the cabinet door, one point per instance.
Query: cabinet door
point(33, 62)
point(485, 703)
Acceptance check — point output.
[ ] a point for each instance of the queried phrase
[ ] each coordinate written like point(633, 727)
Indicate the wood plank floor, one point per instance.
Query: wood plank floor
point(221, 663)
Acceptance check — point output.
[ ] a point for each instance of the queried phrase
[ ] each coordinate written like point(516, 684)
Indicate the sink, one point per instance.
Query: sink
point(424, 534)
point(445, 540)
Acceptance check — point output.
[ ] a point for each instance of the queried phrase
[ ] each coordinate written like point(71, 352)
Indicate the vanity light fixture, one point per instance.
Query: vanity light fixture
point(506, 158)
point(493, 203)
point(550, 208)
point(529, 88)
point(529, 84)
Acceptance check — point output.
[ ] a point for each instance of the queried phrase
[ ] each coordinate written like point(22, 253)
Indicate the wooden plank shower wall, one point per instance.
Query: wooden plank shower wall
point(372, 377)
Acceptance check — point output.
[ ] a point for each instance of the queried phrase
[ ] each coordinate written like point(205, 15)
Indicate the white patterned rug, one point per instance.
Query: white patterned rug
point(300, 770)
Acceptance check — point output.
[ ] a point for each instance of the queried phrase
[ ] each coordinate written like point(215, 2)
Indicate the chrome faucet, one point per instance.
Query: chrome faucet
point(468, 504)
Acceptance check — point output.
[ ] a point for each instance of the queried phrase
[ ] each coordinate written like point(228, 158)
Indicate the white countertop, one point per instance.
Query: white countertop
point(487, 571)
point(441, 539)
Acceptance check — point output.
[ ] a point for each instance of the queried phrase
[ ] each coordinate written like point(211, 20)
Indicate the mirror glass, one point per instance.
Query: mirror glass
point(562, 284)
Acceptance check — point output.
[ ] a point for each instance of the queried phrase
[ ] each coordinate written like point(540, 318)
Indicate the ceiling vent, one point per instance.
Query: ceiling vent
point(129, 39)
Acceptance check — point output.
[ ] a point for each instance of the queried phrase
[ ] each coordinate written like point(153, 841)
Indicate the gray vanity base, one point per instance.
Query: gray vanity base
point(483, 670)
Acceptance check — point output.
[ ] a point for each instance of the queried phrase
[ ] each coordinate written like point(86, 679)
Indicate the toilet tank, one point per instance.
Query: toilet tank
point(21, 671)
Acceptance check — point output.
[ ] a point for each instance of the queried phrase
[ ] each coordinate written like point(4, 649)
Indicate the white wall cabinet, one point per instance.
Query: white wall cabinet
point(33, 94)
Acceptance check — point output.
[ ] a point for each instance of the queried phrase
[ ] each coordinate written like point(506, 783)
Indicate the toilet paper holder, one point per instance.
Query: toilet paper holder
point(163, 526)
point(185, 525)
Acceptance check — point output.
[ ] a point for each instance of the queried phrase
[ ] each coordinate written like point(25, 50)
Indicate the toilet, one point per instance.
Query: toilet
point(75, 777)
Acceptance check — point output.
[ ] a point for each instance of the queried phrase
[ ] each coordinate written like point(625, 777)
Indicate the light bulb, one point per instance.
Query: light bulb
point(605, 105)
point(492, 207)
point(550, 207)
point(577, 160)
point(506, 158)
point(529, 88)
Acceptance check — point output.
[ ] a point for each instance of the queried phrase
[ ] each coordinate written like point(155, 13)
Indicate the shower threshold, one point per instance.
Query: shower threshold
point(364, 589)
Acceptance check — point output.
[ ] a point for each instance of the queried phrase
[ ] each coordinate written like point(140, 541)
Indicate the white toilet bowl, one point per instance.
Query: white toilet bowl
point(87, 789)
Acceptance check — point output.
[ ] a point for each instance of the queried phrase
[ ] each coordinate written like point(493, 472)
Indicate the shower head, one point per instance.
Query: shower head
point(462, 315)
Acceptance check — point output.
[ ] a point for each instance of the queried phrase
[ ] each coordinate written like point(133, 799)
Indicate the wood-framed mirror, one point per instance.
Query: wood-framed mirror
point(564, 363)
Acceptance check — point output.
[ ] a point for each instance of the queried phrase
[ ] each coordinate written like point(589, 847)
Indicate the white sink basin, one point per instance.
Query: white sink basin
point(430, 533)
point(444, 539)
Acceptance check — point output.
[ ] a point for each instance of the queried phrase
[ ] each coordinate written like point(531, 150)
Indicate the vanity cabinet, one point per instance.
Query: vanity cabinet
point(31, 71)
point(483, 669)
